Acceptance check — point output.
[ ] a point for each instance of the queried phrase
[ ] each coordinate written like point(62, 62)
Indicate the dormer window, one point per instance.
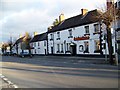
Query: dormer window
point(87, 30)
point(70, 33)
point(58, 35)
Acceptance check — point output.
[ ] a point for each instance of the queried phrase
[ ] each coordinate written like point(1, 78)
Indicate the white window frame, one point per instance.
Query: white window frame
point(87, 30)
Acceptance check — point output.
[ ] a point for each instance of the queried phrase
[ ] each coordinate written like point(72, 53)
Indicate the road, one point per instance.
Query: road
point(58, 72)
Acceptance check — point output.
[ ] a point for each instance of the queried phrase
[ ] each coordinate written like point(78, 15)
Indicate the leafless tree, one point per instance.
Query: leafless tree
point(108, 17)
point(26, 41)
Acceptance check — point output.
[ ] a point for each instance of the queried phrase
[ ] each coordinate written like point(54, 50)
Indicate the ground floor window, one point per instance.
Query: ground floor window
point(119, 48)
point(68, 47)
point(86, 44)
point(35, 51)
point(61, 48)
point(97, 46)
point(58, 48)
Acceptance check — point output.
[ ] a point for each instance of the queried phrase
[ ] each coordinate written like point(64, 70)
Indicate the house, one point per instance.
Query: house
point(79, 35)
point(17, 46)
point(39, 44)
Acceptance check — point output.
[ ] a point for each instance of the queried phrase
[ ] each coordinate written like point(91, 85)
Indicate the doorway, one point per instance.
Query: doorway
point(51, 50)
point(73, 50)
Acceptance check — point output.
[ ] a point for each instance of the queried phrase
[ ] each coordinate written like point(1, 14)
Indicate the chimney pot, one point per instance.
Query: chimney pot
point(61, 17)
point(84, 11)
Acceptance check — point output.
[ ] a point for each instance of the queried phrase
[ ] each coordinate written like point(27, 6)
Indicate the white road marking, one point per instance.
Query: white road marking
point(8, 82)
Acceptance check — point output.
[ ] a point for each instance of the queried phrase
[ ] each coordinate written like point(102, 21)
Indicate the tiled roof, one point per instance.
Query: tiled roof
point(78, 20)
point(39, 37)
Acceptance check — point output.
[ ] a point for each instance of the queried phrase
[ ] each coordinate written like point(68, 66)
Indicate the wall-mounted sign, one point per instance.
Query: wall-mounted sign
point(81, 38)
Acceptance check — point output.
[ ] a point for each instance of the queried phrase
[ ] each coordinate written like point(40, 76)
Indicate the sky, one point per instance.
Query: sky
point(20, 16)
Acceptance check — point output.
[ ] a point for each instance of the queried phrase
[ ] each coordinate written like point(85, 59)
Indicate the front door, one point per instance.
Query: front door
point(73, 50)
point(45, 52)
point(51, 50)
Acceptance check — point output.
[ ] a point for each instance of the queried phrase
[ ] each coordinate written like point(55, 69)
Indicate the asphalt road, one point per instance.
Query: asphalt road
point(58, 72)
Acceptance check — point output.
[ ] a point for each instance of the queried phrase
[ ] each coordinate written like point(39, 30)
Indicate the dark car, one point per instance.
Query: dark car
point(12, 54)
point(24, 54)
point(6, 54)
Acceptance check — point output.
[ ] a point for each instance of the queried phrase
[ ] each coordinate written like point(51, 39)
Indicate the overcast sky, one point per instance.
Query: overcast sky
point(20, 16)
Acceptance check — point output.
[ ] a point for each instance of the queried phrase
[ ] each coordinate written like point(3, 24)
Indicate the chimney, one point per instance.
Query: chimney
point(20, 36)
point(35, 33)
point(61, 17)
point(84, 11)
point(50, 27)
point(109, 3)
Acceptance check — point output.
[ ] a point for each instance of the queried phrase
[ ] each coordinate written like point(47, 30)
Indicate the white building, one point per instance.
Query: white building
point(39, 44)
point(78, 35)
point(17, 46)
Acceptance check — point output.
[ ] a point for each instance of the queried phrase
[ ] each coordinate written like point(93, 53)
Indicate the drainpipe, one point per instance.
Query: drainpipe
point(47, 45)
point(53, 44)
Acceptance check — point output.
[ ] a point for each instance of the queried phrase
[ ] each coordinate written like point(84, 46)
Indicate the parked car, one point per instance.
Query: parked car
point(12, 54)
point(6, 54)
point(24, 54)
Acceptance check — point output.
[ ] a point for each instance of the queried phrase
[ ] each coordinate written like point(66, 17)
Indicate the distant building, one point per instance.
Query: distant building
point(17, 47)
point(39, 44)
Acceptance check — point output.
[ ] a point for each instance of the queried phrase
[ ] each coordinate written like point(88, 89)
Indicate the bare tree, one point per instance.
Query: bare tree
point(4, 48)
point(10, 44)
point(108, 17)
point(26, 41)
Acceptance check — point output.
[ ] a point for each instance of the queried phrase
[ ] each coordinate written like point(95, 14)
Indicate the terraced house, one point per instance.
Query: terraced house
point(79, 35)
point(39, 44)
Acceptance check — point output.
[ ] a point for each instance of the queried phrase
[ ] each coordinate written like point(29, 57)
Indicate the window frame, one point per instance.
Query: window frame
point(70, 33)
point(51, 36)
point(87, 30)
point(58, 48)
point(58, 35)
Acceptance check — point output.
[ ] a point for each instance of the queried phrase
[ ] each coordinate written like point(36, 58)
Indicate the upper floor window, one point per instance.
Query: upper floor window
point(58, 35)
point(96, 28)
point(70, 33)
point(86, 29)
point(51, 36)
point(38, 43)
point(31, 45)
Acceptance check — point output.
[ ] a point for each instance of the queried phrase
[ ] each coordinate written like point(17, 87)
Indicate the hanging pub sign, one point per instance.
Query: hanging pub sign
point(81, 38)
